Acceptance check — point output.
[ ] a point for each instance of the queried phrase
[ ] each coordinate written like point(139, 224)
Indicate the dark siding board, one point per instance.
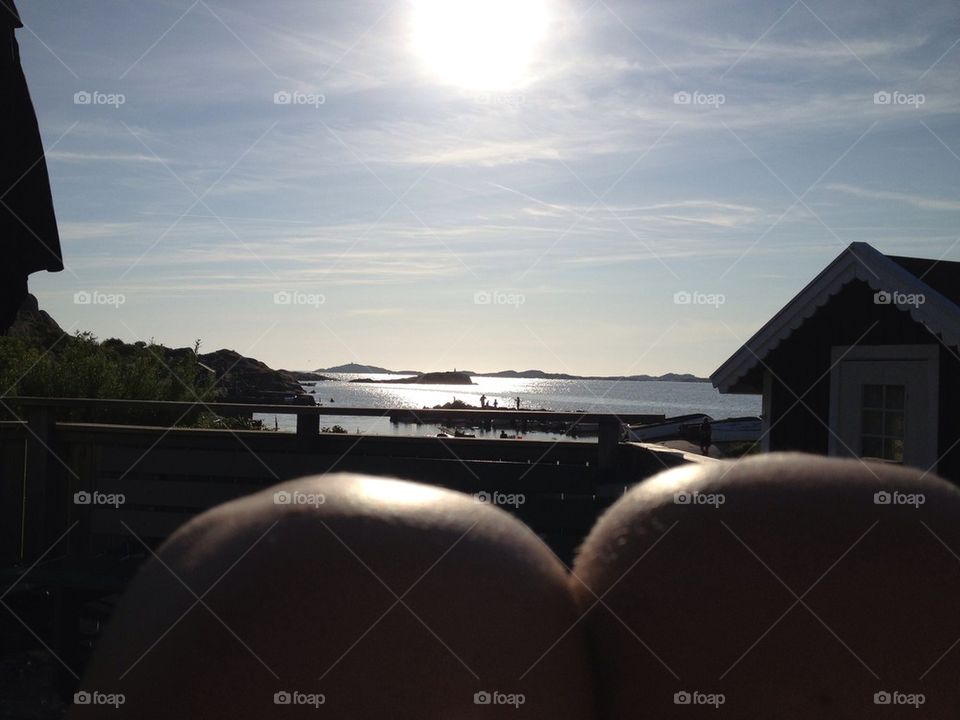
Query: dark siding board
point(949, 447)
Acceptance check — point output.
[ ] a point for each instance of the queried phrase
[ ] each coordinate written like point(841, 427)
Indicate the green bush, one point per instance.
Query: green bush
point(79, 366)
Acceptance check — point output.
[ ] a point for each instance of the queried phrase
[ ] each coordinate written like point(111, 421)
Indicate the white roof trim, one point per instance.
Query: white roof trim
point(860, 261)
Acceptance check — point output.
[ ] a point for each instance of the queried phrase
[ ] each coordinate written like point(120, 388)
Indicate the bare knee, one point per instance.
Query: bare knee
point(784, 585)
point(365, 595)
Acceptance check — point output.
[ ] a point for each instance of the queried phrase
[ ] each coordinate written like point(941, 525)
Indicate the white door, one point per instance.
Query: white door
point(883, 403)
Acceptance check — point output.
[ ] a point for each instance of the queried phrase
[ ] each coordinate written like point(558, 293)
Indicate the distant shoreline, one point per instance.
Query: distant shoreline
point(354, 368)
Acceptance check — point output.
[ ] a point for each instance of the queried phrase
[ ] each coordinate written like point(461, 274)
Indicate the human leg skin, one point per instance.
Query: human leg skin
point(387, 598)
point(784, 586)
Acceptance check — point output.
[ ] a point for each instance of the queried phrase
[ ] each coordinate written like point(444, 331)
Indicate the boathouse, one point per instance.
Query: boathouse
point(864, 362)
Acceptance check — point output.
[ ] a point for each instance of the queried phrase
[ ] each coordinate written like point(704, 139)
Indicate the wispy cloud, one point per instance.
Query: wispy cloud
point(923, 202)
point(399, 192)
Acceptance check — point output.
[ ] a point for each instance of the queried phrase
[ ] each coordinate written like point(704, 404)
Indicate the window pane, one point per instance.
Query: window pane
point(893, 424)
point(893, 450)
point(873, 396)
point(895, 397)
point(872, 423)
point(872, 447)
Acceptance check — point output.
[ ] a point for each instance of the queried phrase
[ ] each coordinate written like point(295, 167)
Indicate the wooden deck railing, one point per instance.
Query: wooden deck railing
point(67, 551)
point(166, 475)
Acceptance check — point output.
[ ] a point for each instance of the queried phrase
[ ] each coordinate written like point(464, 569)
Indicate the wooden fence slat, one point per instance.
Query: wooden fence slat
point(12, 464)
point(174, 493)
point(147, 524)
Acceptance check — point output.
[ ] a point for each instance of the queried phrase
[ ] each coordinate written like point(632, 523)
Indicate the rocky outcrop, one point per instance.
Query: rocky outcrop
point(34, 324)
point(246, 380)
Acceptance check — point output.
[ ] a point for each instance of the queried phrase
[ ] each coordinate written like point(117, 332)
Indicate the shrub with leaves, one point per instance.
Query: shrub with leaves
point(80, 366)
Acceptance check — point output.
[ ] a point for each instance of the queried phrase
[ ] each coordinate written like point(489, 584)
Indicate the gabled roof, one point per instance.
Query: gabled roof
point(937, 281)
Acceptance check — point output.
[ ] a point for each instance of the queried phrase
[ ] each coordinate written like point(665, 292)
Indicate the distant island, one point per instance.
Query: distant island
point(356, 368)
point(541, 375)
point(432, 378)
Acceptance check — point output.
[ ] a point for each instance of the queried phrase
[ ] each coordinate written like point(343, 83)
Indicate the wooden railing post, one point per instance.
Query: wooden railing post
point(308, 427)
point(37, 481)
point(607, 445)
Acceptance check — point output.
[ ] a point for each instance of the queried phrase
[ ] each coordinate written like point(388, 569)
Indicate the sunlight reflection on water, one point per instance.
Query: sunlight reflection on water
point(668, 398)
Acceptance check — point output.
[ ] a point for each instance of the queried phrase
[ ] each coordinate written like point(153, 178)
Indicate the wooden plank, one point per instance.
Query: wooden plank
point(326, 444)
point(546, 514)
point(37, 480)
point(274, 409)
point(468, 476)
point(175, 494)
point(147, 524)
point(197, 462)
point(12, 464)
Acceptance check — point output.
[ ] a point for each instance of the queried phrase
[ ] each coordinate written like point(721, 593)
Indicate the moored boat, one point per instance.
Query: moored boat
point(738, 429)
point(675, 428)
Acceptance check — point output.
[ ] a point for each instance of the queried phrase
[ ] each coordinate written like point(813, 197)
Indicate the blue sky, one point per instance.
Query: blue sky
point(420, 218)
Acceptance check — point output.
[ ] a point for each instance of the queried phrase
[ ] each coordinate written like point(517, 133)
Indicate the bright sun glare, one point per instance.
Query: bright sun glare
point(479, 44)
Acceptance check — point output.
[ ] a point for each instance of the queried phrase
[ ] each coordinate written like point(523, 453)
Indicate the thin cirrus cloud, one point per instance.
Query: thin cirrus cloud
point(591, 177)
point(919, 201)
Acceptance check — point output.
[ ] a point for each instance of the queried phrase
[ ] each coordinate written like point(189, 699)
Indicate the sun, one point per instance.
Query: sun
point(480, 45)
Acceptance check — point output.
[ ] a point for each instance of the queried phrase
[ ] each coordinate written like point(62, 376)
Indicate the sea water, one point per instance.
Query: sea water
point(602, 396)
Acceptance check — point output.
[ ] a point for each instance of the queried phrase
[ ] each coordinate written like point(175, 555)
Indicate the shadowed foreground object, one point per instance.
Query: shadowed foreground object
point(784, 586)
point(376, 597)
point(29, 238)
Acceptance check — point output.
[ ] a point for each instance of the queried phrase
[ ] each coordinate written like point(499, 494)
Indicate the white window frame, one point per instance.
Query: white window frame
point(929, 355)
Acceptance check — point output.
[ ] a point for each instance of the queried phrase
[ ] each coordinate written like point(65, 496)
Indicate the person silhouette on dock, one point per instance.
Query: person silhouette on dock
point(706, 436)
point(495, 403)
point(518, 403)
point(483, 401)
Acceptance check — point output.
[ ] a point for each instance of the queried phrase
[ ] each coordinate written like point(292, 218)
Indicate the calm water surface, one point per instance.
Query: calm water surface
point(668, 398)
